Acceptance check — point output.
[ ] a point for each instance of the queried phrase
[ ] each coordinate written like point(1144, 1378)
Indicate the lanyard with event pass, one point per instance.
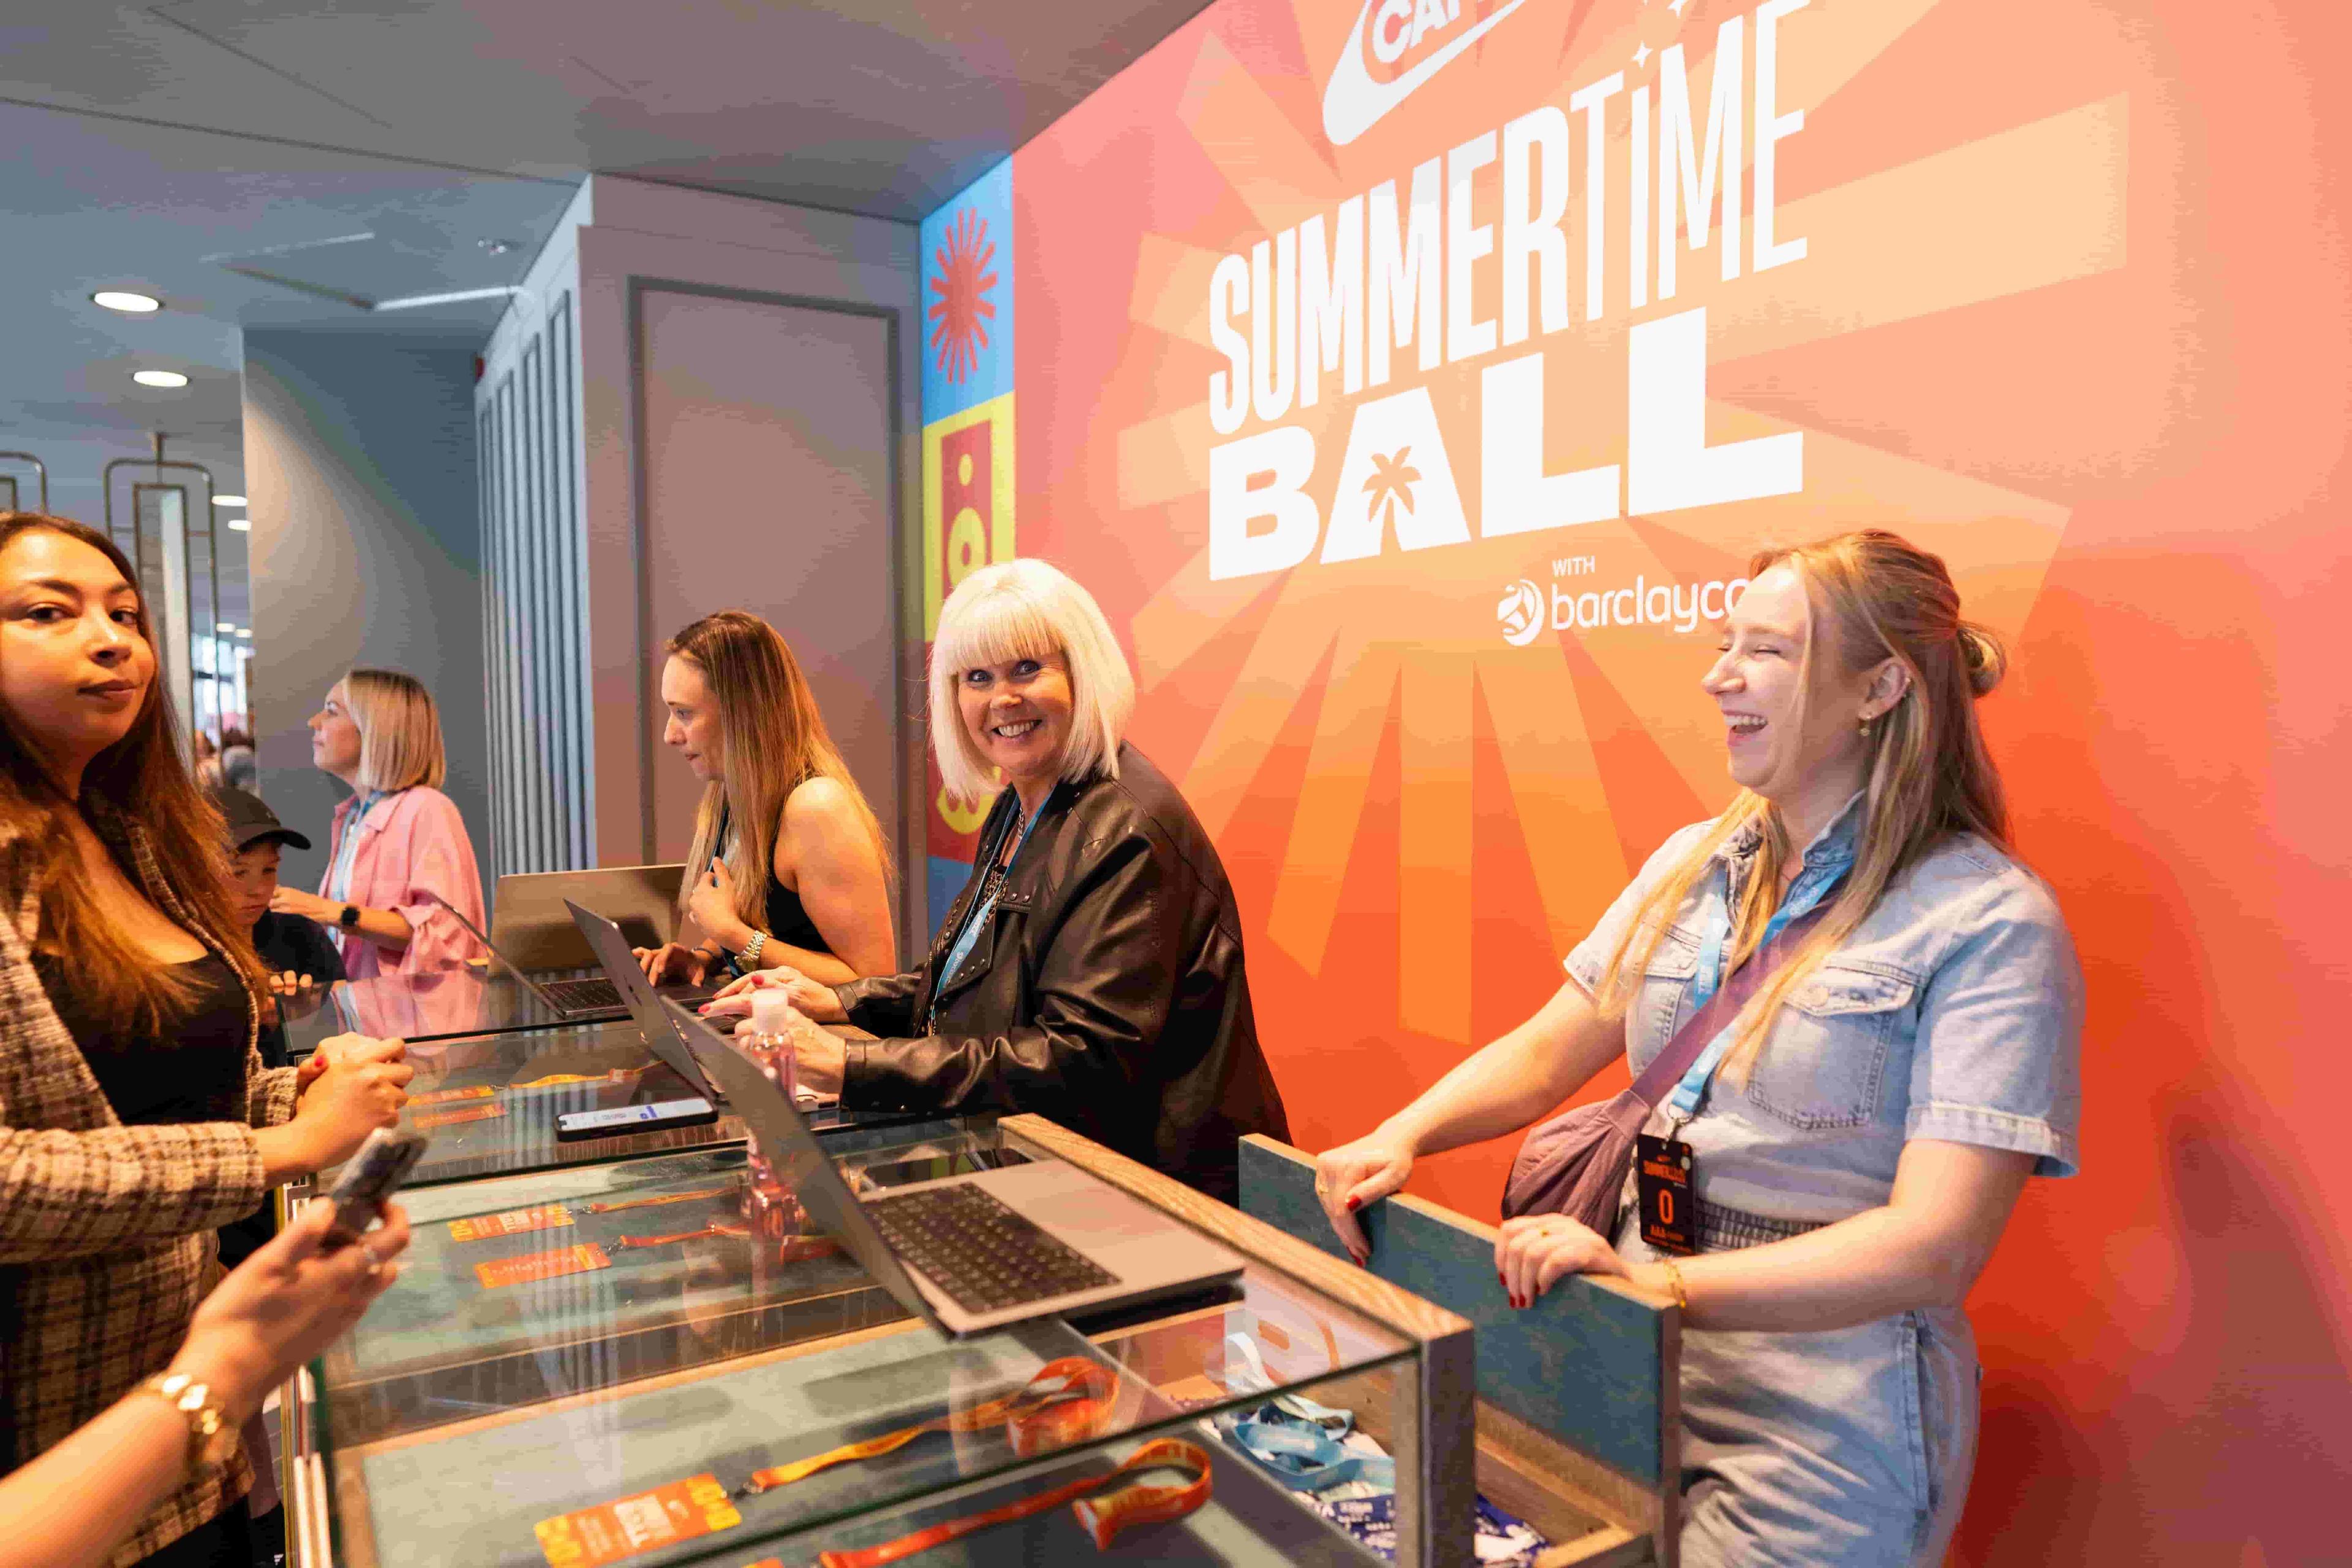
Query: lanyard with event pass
point(982, 910)
point(1664, 1167)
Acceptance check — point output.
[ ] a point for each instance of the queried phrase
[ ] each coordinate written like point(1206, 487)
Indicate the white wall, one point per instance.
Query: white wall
point(768, 489)
point(366, 548)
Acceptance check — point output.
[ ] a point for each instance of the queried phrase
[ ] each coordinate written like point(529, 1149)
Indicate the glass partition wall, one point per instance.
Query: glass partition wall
point(161, 512)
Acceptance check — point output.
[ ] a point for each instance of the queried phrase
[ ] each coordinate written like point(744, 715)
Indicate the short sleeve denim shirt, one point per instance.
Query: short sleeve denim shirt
point(1954, 1012)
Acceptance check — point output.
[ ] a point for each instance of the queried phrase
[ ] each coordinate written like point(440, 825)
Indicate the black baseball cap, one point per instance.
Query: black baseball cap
point(251, 822)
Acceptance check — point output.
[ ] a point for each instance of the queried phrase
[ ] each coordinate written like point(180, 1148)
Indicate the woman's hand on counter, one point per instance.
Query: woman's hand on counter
point(811, 999)
point(1536, 1250)
point(1354, 1174)
point(671, 962)
point(823, 1058)
point(347, 1049)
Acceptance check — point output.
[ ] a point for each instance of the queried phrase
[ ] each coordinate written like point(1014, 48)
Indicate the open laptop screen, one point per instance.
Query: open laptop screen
point(800, 1160)
point(620, 966)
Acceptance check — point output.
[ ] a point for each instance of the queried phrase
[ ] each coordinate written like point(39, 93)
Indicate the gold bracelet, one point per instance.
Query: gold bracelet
point(211, 1439)
point(1674, 1283)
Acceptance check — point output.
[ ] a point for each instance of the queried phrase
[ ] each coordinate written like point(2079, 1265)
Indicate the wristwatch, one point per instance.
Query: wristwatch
point(350, 919)
point(211, 1439)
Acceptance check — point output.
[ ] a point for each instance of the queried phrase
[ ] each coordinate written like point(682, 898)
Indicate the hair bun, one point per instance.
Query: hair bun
point(1983, 657)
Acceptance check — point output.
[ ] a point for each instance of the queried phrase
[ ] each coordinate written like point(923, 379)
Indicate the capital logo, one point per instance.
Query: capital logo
point(1394, 46)
point(1521, 612)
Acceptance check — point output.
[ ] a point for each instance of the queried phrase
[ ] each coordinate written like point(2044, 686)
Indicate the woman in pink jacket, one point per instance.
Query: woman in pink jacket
point(397, 839)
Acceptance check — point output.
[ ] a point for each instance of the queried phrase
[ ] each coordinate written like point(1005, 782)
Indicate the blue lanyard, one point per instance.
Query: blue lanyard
point(1814, 883)
point(979, 917)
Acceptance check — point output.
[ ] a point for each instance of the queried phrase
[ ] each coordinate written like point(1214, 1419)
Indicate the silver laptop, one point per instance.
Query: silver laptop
point(531, 926)
point(972, 1253)
point(594, 999)
point(644, 1004)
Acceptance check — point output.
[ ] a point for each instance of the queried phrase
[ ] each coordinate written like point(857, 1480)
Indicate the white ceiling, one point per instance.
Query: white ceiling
point(155, 147)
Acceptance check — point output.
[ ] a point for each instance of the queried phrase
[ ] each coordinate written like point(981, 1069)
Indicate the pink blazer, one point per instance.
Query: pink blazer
point(413, 844)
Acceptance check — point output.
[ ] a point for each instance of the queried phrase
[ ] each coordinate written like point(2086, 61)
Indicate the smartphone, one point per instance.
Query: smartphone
point(661, 1116)
point(370, 1177)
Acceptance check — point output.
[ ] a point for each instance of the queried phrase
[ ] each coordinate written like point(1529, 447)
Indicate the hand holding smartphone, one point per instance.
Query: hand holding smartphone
point(370, 1177)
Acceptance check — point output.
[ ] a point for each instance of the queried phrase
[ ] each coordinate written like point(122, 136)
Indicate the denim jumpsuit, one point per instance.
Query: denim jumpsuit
point(1954, 1013)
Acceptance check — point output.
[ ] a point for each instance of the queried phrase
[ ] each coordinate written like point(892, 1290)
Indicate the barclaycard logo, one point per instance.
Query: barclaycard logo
point(1395, 48)
point(1521, 612)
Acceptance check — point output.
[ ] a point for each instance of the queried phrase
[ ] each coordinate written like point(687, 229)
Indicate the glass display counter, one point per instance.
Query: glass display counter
point(491, 1103)
point(691, 1393)
point(462, 999)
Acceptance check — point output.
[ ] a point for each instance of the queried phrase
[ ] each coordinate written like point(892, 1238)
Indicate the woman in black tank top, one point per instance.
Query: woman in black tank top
point(788, 867)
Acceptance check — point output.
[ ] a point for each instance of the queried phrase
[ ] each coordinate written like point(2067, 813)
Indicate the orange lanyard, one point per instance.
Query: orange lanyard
point(789, 1249)
point(1101, 1517)
point(665, 1199)
point(1068, 1400)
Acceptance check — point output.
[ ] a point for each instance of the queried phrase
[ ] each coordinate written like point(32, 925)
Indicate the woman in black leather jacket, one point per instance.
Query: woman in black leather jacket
point(1091, 969)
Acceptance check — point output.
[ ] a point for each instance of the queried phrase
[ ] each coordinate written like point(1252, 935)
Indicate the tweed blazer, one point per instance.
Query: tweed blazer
point(106, 1231)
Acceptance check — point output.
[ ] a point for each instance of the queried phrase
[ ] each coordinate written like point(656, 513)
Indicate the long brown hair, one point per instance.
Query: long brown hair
point(140, 785)
point(1873, 595)
point(772, 740)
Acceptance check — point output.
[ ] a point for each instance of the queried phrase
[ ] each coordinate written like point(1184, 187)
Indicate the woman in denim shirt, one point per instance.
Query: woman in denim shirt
point(1869, 1120)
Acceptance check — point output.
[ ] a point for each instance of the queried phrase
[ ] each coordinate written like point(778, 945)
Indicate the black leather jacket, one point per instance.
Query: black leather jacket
point(1107, 993)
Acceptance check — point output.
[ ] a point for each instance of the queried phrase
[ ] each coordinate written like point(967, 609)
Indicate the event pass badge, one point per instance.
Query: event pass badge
point(1662, 1184)
point(591, 1537)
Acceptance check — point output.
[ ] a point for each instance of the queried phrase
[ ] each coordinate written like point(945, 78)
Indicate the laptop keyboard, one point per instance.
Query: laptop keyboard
point(582, 996)
point(983, 1255)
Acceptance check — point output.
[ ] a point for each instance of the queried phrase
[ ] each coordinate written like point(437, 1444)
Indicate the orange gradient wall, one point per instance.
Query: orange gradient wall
point(2071, 309)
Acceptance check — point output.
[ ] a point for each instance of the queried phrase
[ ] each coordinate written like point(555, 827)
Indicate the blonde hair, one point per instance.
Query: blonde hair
point(1929, 776)
point(400, 731)
point(771, 740)
point(1027, 609)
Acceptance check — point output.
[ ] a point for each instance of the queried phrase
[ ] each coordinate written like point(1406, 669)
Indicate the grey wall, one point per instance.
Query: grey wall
point(366, 548)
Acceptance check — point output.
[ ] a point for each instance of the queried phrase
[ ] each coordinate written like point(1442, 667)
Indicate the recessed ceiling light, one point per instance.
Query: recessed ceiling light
point(228, 501)
point(224, 626)
point(129, 304)
point(244, 631)
point(240, 525)
point(159, 378)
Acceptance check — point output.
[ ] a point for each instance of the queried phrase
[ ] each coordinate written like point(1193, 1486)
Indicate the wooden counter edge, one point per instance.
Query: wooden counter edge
point(1276, 1248)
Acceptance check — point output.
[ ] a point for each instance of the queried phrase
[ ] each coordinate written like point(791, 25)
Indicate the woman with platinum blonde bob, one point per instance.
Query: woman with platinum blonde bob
point(1860, 1131)
point(1091, 969)
point(397, 840)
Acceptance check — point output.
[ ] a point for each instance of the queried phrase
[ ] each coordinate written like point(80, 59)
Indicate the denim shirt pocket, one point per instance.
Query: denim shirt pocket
point(1660, 1008)
point(1822, 1066)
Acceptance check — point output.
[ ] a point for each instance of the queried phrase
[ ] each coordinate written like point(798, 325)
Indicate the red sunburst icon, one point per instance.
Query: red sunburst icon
point(962, 309)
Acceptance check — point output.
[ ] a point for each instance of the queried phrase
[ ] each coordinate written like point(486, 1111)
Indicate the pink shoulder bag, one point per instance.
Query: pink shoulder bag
point(1575, 1163)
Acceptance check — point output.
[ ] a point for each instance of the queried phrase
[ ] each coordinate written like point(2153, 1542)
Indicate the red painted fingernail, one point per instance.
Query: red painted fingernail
point(1354, 1204)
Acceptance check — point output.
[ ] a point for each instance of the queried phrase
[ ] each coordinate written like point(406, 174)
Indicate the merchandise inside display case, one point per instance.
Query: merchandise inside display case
point(633, 1412)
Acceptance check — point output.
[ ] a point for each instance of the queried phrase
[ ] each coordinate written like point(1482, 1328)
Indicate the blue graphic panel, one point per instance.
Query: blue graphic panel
point(966, 312)
point(942, 881)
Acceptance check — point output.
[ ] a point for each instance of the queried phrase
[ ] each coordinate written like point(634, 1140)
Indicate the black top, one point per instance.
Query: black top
point(302, 946)
point(291, 941)
point(788, 918)
point(193, 1070)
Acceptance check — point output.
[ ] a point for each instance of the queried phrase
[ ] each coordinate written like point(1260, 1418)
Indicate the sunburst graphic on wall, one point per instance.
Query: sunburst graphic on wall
point(1947, 236)
point(962, 310)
